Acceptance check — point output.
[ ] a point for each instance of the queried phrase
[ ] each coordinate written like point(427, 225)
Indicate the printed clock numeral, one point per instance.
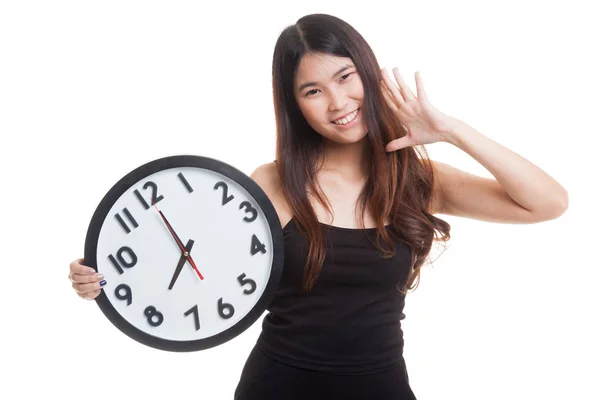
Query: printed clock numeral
point(247, 206)
point(123, 223)
point(226, 199)
point(194, 311)
point(247, 281)
point(155, 198)
point(123, 296)
point(155, 317)
point(226, 310)
point(122, 262)
point(185, 182)
point(257, 246)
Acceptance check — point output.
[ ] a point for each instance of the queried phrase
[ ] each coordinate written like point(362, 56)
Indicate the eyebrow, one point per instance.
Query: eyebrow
point(307, 84)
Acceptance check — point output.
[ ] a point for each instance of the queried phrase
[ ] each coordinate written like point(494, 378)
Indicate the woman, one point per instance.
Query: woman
point(357, 203)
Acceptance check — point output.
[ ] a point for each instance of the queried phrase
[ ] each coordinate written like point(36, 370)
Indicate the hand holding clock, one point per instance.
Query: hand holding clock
point(86, 282)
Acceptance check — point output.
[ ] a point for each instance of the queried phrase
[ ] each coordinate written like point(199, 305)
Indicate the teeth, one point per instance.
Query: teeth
point(347, 119)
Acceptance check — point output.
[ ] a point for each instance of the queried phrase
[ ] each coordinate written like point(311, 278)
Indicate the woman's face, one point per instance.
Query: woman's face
point(330, 94)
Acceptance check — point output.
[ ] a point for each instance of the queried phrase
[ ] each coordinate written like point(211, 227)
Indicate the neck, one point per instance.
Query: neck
point(348, 160)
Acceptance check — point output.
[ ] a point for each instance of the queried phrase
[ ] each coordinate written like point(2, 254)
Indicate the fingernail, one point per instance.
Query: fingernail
point(99, 276)
point(91, 271)
point(102, 283)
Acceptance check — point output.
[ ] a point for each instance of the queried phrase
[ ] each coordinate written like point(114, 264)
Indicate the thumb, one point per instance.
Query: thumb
point(398, 144)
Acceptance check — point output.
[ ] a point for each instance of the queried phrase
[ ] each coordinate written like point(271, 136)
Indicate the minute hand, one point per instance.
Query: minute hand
point(179, 243)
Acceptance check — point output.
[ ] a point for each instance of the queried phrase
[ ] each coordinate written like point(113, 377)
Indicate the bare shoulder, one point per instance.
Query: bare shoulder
point(267, 177)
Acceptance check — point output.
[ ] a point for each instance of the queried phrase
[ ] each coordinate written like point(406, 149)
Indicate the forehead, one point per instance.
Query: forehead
point(320, 67)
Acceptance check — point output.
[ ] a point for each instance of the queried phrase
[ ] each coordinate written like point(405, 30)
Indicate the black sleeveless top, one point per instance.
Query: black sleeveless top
point(350, 322)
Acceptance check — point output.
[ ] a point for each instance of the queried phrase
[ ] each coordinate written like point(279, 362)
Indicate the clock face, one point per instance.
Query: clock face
point(191, 250)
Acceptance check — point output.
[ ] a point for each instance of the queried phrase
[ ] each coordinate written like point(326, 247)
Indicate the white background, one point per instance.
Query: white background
point(91, 90)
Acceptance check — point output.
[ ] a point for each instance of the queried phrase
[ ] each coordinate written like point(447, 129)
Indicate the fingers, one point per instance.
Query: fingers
point(393, 89)
point(88, 290)
point(85, 281)
point(420, 87)
point(76, 267)
point(388, 98)
point(407, 94)
point(82, 279)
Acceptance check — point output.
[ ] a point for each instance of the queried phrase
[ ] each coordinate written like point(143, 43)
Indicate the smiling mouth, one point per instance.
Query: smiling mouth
point(347, 118)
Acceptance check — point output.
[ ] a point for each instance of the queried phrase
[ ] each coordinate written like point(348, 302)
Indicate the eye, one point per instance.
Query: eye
point(311, 92)
point(345, 77)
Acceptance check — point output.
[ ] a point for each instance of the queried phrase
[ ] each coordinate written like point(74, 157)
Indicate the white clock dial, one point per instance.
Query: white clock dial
point(231, 254)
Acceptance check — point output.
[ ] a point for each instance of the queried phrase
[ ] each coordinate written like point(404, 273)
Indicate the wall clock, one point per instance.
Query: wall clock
point(191, 249)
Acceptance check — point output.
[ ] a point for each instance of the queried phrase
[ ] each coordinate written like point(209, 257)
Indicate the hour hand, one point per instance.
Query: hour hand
point(182, 260)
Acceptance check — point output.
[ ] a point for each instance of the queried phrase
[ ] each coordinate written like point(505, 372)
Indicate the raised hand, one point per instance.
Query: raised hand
point(423, 122)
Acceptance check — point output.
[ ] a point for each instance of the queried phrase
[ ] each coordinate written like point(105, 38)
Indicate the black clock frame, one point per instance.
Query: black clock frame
point(133, 177)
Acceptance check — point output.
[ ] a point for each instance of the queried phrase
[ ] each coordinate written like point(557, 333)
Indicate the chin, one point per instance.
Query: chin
point(351, 136)
point(349, 139)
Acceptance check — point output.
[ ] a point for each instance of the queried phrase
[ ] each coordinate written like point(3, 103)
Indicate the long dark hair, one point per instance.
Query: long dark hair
point(399, 185)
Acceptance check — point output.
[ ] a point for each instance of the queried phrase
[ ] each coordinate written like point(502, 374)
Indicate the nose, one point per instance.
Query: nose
point(337, 100)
